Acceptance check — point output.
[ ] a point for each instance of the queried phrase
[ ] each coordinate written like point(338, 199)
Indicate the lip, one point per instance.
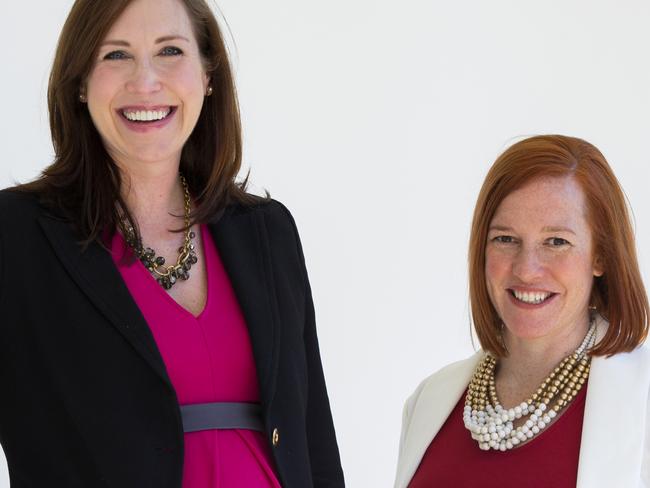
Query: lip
point(530, 306)
point(143, 127)
point(528, 289)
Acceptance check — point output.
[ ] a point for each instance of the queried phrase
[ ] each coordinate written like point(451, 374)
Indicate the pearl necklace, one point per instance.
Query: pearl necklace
point(491, 425)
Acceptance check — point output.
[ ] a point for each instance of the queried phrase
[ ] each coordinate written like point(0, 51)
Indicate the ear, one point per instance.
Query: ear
point(598, 267)
point(83, 97)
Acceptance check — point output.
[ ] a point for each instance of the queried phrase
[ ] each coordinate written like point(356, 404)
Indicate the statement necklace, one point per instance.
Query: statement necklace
point(491, 425)
point(166, 276)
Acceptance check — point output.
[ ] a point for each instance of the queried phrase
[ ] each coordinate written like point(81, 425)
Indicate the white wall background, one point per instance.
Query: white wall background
point(375, 122)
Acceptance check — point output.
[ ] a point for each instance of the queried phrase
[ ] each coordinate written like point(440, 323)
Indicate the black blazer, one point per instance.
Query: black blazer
point(85, 397)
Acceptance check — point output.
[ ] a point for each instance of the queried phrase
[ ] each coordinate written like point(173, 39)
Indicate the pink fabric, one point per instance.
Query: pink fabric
point(208, 359)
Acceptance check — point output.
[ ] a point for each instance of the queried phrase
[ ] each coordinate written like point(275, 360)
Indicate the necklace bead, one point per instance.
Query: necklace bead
point(166, 276)
point(492, 426)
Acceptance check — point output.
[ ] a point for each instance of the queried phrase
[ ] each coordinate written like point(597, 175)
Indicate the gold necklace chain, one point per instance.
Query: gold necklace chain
point(166, 275)
point(491, 425)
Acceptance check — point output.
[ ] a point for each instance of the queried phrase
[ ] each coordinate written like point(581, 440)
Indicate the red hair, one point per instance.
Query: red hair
point(619, 294)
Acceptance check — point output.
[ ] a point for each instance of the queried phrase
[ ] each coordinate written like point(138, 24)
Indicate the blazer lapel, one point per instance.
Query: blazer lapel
point(614, 425)
point(242, 243)
point(96, 275)
point(438, 397)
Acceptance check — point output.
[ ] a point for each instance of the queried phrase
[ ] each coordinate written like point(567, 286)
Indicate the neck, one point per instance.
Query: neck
point(530, 361)
point(153, 196)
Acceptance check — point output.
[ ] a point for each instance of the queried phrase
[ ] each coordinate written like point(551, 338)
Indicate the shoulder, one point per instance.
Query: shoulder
point(454, 375)
point(637, 359)
point(260, 206)
point(13, 199)
point(641, 355)
point(623, 379)
point(18, 209)
point(269, 223)
point(272, 215)
point(426, 410)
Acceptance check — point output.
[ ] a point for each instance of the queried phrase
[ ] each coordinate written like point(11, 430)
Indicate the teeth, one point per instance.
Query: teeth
point(146, 115)
point(533, 297)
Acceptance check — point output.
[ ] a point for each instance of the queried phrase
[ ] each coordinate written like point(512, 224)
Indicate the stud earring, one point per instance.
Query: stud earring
point(208, 92)
point(82, 97)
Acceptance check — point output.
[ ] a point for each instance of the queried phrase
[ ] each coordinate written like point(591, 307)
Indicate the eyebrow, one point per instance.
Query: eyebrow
point(552, 228)
point(173, 37)
point(558, 229)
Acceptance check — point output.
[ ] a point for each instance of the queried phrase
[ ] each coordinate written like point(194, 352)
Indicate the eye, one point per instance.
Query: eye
point(557, 242)
point(114, 55)
point(504, 239)
point(171, 51)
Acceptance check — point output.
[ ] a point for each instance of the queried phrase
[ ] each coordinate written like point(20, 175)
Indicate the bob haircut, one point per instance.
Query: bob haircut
point(618, 295)
point(83, 183)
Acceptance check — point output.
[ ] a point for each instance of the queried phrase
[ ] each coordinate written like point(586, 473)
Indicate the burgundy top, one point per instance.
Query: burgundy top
point(209, 359)
point(550, 459)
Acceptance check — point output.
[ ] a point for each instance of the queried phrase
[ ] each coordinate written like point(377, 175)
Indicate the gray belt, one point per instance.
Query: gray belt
point(222, 415)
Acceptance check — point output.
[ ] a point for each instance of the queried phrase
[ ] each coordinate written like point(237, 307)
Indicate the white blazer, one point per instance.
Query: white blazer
point(614, 449)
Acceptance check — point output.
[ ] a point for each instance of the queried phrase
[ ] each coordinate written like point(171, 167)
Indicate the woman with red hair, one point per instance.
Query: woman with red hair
point(558, 394)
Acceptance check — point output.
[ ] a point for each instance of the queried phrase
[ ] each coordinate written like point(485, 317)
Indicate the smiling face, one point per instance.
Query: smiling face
point(539, 260)
point(147, 86)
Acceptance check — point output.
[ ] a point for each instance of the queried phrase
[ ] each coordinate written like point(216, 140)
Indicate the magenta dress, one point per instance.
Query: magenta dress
point(209, 359)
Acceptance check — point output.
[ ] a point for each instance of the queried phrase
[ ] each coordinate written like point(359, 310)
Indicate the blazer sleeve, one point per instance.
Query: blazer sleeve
point(645, 461)
point(3, 226)
point(406, 418)
point(321, 438)
point(1, 263)
point(407, 414)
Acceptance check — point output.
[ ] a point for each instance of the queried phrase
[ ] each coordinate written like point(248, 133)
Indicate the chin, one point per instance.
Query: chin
point(529, 325)
point(154, 154)
point(528, 331)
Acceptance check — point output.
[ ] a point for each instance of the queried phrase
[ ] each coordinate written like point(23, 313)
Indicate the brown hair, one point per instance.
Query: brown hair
point(619, 294)
point(83, 183)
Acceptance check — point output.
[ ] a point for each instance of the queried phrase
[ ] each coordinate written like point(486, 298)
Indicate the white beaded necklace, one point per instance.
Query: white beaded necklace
point(491, 425)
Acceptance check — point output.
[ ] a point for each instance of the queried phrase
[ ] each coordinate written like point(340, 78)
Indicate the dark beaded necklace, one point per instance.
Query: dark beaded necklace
point(166, 276)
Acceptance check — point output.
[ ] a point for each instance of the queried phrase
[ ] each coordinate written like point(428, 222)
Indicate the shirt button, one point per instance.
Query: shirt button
point(275, 437)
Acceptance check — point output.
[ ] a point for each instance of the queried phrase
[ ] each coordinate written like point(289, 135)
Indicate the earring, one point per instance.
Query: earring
point(82, 97)
point(208, 92)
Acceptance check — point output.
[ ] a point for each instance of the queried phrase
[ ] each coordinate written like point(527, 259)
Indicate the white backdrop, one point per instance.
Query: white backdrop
point(375, 122)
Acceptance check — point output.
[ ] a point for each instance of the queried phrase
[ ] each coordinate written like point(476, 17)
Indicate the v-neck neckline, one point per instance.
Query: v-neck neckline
point(151, 281)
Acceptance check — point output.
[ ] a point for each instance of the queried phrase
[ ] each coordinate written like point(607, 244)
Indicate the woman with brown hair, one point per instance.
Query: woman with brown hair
point(558, 394)
point(157, 323)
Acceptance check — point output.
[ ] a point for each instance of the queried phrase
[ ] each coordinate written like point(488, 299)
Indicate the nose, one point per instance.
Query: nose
point(144, 79)
point(527, 265)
